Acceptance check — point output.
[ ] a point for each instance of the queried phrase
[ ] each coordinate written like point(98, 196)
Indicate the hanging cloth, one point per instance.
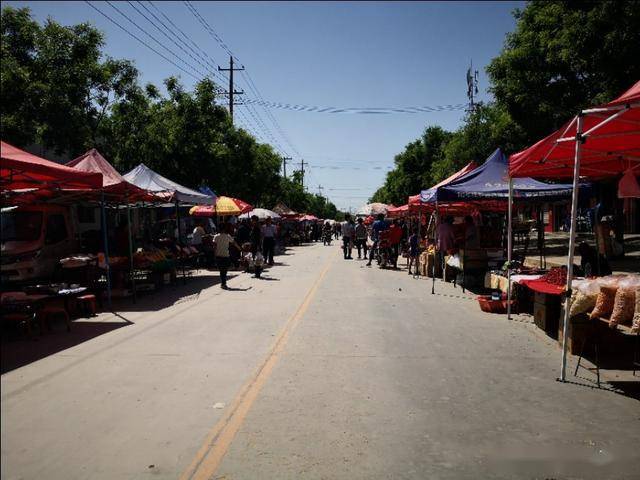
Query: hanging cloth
point(628, 186)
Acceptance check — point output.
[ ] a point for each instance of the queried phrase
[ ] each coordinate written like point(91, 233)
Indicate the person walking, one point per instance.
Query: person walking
point(348, 235)
point(221, 243)
point(395, 237)
point(414, 242)
point(268, 240)
point(380, 225)
point(255, 235)
point(361, 238)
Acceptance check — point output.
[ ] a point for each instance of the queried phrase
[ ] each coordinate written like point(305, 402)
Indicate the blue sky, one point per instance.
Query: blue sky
point(339, 54)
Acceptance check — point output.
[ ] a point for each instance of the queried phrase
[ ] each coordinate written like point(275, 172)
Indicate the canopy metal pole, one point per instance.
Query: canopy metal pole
point(435, 252)
point(133, 280)
point(106, 249)
point(417, 265)
point(178, 243)
point(572, 241)
point(509, 245)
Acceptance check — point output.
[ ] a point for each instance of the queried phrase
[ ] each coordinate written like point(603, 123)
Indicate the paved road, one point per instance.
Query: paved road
point(323, 369)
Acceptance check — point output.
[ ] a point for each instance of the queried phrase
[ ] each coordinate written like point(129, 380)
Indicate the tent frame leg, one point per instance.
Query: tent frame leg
point(509, 245)
point(572, 241)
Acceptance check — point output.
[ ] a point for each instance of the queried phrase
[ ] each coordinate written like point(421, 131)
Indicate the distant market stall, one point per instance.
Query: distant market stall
point(486, 188)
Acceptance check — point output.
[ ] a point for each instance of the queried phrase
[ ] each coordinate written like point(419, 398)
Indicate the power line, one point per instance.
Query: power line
point(140, 40)
point(192, 8)
point(203, 54)
point(155, 39)
point(357, 110)
point(190, 52)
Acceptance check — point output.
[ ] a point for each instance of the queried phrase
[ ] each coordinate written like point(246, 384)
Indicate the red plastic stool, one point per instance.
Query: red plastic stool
point(87, 303)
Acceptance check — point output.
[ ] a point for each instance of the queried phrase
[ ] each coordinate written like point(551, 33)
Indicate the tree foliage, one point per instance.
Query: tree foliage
point(562, 56)
point(61, 92)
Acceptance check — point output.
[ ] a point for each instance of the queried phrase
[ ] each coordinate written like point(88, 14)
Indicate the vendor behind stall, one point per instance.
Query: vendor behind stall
point(589, 261)
point(471, 233)
point(446, 236)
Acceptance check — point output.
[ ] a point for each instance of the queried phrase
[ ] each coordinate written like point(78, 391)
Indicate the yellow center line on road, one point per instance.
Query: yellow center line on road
point(217, 442)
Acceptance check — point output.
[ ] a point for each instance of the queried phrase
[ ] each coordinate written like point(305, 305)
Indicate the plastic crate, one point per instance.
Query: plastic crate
point(492, 306)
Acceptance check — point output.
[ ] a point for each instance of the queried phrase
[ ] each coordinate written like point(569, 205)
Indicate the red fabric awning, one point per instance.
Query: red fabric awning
point(20, 169)
point(609, 150)
point(400, 211)
point(114, 184)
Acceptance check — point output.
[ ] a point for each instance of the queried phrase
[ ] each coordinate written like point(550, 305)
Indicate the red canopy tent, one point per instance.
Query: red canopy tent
point(23, 170)
point(112, 182)
point(396, 212)
point(610, 143)
point(597, 143)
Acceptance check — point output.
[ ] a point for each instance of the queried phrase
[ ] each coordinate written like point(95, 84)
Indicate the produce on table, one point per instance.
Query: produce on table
point(556, 276)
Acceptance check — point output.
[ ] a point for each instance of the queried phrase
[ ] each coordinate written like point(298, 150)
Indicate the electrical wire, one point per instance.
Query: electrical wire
point(203, 54)
point(170, 38)
point(356, 110)
point(140, 40)
point(128, 18)
point(250, 83)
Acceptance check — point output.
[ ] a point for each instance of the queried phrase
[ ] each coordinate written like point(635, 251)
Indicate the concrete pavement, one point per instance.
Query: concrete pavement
point(324, 369)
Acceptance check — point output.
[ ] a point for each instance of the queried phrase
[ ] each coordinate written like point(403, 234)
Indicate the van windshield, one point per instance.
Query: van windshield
point(21, 226)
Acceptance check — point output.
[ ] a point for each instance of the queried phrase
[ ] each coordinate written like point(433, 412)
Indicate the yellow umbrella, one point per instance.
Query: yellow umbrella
point(224, 206)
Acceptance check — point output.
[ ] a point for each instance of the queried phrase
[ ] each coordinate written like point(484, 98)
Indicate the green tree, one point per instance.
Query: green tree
point(564, 56)
point(56, 86)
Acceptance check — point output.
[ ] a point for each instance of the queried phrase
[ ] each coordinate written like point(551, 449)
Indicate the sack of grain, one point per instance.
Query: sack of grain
point(604, 302)
point(623, 307)
point(582, 302)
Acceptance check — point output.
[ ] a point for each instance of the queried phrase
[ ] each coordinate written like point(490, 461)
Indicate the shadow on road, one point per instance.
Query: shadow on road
point(170, 294)
point(18, 353)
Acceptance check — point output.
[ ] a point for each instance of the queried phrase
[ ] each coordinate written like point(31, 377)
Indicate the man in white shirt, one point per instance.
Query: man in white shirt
point(196, 236)
point(268, 240)
point(221, 243)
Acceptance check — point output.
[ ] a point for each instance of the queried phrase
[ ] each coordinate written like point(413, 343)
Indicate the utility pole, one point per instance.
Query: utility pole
point(231, 91)
point(302, 171)
point(284, 165)
point(320, 189)
point(472, 87)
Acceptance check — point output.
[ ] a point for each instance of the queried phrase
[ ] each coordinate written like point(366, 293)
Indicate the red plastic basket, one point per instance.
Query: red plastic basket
point(492, 306)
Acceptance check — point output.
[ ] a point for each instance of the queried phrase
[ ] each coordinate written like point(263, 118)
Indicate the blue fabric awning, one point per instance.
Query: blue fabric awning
point(490, 182)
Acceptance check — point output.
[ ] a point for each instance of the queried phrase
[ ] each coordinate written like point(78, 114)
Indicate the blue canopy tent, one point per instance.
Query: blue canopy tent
point(490, 182)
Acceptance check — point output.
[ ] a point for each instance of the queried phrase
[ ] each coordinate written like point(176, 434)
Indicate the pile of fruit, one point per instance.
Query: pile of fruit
point(556, 276)
point(146, 258)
